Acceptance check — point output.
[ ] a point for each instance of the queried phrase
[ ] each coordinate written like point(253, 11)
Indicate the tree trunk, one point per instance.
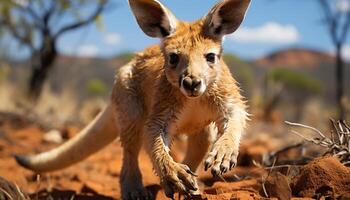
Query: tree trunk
point(42, 62)
point(340, 82)
point(271, 106)
point(273, 96)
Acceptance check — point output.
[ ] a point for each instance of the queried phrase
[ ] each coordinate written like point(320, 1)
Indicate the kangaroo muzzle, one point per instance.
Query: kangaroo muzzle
point(192, 86)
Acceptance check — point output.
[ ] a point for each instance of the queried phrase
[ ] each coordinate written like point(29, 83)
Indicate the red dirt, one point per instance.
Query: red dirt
point(277, 185)
point(323, 176)
point(98, 176)
point(251, 151)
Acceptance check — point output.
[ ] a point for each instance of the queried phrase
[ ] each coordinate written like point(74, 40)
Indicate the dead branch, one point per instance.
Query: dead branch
point(287, 148)
point(305, 126)
point(339, 143)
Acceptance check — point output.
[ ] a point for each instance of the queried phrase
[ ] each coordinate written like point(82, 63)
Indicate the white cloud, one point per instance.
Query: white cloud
point(270, 32)
point(346, 53)
point(87, 51)
point(343, 5)
point(111, 38)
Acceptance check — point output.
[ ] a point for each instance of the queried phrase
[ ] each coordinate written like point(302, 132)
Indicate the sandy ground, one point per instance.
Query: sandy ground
point(98, 176)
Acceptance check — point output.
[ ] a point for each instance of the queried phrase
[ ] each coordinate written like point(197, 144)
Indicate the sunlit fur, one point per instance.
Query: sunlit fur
point(149, 104)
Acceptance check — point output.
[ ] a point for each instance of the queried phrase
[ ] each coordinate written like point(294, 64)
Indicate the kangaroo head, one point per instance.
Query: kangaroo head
point(192, 51)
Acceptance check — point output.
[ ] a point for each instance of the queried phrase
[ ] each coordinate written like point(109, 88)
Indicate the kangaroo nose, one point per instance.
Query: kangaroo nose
point(191, 84)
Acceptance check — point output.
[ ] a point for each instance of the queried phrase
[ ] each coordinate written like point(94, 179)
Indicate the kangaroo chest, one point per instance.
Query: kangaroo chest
point(192, 118)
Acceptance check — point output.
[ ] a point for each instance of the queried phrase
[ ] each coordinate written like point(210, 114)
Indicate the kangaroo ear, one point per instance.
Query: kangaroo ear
point(153, 18)
point(225, 17)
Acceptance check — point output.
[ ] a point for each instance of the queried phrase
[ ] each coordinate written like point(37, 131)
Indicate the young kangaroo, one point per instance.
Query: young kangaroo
point(181, 86)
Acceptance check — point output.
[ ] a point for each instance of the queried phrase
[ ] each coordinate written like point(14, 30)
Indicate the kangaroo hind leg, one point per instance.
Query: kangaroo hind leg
point(130, 119)
point(131, 178)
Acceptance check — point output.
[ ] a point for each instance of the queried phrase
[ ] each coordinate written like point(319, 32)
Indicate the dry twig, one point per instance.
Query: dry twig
point(339, 143)
point(265, 179)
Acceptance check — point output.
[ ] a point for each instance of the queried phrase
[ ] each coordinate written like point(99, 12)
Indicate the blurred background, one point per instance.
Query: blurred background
point(57, 64)
point(58, 57)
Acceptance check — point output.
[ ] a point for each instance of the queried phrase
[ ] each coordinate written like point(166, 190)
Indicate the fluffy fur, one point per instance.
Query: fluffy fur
point(150, 105)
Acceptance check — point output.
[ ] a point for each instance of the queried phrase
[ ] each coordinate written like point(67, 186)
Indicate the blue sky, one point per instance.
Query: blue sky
point(269, 25)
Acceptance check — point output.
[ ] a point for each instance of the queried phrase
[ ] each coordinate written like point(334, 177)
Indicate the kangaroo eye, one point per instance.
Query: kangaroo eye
point(174, 59)
point(210, 57)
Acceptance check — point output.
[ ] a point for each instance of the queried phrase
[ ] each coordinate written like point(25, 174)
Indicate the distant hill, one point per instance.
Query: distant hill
point(77, 73)
point(295, 58)
point(317, 64)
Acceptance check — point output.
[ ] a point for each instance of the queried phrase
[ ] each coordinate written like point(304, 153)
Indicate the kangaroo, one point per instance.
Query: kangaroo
point(181, 86)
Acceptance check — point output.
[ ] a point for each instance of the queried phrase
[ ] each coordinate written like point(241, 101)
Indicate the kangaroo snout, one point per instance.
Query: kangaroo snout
point(192, 86)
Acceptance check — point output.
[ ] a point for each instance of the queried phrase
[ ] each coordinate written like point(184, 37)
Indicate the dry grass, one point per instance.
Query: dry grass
point(11, 191)
point(337, 145)
point(54, 108)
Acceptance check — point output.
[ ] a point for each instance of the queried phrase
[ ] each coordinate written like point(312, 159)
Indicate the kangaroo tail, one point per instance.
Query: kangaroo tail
point(100, 132)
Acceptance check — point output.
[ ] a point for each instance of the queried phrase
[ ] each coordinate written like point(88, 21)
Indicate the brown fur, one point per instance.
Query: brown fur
point(150, 105)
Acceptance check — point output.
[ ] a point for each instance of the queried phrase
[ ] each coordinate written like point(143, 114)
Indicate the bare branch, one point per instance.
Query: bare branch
point(31, 12)
point(331, 20)
point(345, 29)
point(48, 14)
point(27, 9)
point(287, 148)
point(88, 20)
point(305, 138)
point(303, 160)
point(265, 179)
point(339, 147)
point(305, 126)
point(14, 32)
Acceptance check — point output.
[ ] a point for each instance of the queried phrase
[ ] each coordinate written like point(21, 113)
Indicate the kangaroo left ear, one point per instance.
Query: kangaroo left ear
point(225, 17)
point(153, 17)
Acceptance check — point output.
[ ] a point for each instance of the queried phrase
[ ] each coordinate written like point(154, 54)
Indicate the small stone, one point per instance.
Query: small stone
point(53, 136)
point(277, 186)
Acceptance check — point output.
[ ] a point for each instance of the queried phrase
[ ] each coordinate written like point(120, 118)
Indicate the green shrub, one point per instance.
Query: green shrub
point(4, 72)
point(293, 79)
point(125, 56)
point(96, 87)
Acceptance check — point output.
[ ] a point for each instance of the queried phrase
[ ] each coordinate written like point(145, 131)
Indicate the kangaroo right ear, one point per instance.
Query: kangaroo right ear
point(225, 17)
point(153, 18)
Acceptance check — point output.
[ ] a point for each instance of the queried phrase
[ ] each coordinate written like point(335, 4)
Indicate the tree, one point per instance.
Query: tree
point(38, 25)
point(337, 19)
point(336, 15)
point(280, 82)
